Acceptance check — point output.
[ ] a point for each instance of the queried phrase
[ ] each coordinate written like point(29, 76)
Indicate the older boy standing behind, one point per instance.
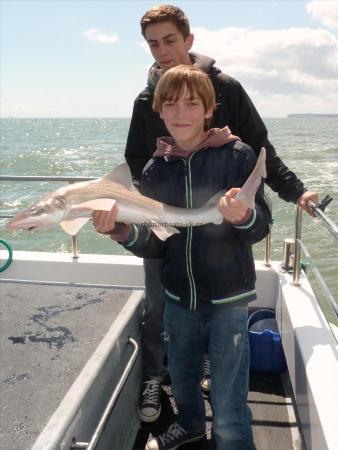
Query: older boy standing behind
point(208, 271)
point(167, 32)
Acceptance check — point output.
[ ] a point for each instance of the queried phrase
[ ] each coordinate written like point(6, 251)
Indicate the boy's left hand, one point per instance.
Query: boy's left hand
point(233, 210)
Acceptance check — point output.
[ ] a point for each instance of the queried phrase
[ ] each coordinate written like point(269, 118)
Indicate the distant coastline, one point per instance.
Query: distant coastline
point(297, 116)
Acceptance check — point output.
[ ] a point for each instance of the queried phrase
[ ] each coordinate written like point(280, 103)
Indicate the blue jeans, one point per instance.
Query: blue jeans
point(228, 349)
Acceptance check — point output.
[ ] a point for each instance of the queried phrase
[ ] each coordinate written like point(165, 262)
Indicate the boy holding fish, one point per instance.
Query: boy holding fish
point(208, 271)
point(167, 32)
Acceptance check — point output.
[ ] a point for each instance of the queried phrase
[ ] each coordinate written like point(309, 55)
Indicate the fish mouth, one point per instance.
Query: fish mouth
point(24, 223)
point(15, 225)
point(26, 227)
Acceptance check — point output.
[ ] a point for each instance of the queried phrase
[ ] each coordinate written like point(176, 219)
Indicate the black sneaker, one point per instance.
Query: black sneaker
point(206, 380)
point(173, 438)
point(149, 407)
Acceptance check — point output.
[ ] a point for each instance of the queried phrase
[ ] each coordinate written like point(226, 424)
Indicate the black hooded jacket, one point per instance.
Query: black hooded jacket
point(210, 264)
point(233, 108)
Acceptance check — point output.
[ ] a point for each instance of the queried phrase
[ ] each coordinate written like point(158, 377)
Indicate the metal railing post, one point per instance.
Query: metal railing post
point(267, 253)
point(75, 249)
point(298, 235)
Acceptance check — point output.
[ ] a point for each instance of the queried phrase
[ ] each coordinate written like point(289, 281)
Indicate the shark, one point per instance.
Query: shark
point(72, 206)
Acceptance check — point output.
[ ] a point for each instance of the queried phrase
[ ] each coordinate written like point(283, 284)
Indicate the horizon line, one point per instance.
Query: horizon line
point(96, 117)
point(288, 115)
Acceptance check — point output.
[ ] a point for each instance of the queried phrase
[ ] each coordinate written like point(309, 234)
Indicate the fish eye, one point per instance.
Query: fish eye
point(37, 210)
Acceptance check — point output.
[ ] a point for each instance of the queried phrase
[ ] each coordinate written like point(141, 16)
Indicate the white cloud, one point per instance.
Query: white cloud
point(324, 11)
point(12, 109)
point(95, 35)
point(290, 65)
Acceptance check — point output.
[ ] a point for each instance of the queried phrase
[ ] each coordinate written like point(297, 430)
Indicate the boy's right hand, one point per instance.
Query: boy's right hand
point(105, 223)
point(233, 210)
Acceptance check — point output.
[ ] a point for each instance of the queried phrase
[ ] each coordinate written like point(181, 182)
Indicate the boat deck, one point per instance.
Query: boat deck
point(44, 344)
point(274, 420)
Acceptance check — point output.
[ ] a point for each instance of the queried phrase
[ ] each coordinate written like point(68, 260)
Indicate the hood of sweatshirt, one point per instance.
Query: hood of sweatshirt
point(217, 137)
point(202, 62)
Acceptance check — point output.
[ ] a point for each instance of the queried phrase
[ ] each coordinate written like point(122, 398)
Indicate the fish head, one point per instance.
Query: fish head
point(41, 215)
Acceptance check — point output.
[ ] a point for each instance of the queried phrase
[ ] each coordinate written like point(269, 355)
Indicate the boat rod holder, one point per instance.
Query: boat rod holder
point(318, 211)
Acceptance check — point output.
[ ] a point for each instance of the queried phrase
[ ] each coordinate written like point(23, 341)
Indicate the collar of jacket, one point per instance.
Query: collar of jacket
point(217, 137)
point(202, 62)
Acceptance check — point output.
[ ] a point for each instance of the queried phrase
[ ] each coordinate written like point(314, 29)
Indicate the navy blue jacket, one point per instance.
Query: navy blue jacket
point(208, 264)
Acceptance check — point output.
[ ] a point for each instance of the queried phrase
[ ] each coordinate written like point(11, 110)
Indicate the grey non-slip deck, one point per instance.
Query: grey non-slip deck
point(47, 334)
point(270, 400)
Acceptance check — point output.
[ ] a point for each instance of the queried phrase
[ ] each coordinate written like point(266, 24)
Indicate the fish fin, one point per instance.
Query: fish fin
point(101, 204)
point(262, 161)
point(164, 233)
point(73, 226)
point(249, 189)
point(121, 175)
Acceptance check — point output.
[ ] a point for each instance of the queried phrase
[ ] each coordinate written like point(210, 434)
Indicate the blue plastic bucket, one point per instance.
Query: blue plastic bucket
point(266, 350)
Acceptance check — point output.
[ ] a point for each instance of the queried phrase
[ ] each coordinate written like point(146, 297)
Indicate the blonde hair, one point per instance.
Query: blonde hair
point(165, 13)
point(173, 82)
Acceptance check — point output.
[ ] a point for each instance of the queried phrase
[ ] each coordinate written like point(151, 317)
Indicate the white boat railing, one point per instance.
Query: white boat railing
point(299, 245)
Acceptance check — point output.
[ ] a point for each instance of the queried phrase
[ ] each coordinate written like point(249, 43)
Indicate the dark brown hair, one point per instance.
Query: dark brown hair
point(164, 13)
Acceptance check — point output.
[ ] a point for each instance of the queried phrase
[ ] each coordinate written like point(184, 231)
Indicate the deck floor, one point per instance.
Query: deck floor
point(270, 400)
point(45, 341)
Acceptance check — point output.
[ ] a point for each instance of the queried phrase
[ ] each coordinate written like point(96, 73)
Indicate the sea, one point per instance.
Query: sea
point(93, 146)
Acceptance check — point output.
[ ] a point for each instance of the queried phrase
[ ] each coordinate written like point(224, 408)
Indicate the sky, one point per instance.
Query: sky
point(86, 58)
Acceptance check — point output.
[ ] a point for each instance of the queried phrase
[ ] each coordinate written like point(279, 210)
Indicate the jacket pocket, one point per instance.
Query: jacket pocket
point(171, 296)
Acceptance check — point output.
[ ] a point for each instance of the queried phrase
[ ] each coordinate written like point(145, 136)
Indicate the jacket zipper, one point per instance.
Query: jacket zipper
point(188, 200)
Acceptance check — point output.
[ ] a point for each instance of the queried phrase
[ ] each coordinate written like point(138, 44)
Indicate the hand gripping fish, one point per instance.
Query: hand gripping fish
point(72, 206)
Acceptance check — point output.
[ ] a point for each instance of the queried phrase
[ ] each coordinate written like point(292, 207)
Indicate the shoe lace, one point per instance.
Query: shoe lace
point(206, 368)
point(175, 431)
point(151, 391)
